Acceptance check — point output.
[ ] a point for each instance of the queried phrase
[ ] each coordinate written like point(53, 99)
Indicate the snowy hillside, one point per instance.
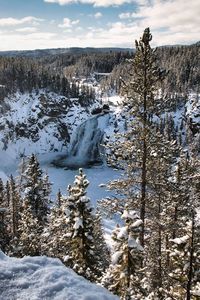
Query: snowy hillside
point(38, 122)
point(39, 278)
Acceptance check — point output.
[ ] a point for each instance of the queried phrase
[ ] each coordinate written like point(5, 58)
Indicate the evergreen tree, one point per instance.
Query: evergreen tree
point(124, 276)
point(84, 255)
point(2, 195)
point(132, 151)
point(182, 229)
point(14, 206)
point(29, 233)
point(4, 232)
point(55, 237)
point(36, 189)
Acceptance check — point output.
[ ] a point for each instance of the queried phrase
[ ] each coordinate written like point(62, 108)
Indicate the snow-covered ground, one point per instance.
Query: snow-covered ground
point(43, 278)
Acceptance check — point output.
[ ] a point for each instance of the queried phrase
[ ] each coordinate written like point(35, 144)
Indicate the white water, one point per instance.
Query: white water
point(86, 146)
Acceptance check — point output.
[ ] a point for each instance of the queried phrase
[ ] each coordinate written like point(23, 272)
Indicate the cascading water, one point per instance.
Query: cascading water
point(86, 147)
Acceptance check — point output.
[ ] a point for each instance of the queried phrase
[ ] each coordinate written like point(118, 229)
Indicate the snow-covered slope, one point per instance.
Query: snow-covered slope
point(43, 278)
point(38, 122)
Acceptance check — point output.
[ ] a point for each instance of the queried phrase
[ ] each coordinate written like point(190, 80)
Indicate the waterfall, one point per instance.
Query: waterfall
point(85, 146)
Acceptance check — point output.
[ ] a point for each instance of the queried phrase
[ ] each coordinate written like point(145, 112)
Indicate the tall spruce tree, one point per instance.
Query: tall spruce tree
point(36, 189)
point(56, 237)
point(84, 255)
point(29, 233)
point(182, 229)
point(132, 151)
point(124, 275)
point(14, 206)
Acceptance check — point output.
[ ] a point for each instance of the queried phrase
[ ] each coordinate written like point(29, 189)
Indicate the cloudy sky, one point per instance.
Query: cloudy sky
point(39, 24)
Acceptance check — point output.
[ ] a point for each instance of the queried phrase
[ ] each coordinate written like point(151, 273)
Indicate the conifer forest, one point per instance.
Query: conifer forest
point(100, 172)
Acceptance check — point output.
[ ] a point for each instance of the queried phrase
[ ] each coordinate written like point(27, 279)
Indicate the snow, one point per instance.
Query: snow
point(116, 256)
point(180, 240)
point(131, 214)
point(37, 278)
point(122, 233)
point(78, 223)
point(132, 243)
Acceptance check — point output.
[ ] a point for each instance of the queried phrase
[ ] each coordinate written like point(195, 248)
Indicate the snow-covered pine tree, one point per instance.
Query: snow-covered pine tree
point(2, 194)
point(4, 218)
point(124, 276)
point(7, 193)
point(36, 190)
point(84, 254)
point(4, 232)
point(185, 263)
point(101, 249)
point(29, 232)
point(182, 272)
point(132, 150)
point(161, 160)
point(14, 206)
point(59, 198)
point(55, 237)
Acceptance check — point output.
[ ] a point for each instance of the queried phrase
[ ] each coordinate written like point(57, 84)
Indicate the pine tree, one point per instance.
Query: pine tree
point(101, 249)
point(29, 233)
point(14, 206)
point(84, 254)
point(36, 189)
point(4, 232)
point(132, 151)
point(55, 237)
point(182, 276)
point(2, 195)
point(124, 276)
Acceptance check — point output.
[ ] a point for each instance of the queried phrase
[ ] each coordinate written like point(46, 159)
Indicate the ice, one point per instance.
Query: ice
point(36, 278)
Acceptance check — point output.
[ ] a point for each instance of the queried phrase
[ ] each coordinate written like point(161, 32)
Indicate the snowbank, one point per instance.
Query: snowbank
point(37, 278)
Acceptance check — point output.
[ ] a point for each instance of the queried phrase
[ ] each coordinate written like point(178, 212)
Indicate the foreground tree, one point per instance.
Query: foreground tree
point(85, 256)
point(133, 151)
point(37, 189)
point(29, 233)
point(124, 275)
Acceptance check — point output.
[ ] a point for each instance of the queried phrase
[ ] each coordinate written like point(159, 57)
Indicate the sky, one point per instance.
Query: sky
point(40, 24)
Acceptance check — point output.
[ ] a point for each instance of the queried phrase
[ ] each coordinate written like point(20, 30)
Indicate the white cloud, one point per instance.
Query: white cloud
point(104, 3)
point(14, 21)
point(27, 29)
point(125, 15)
point(67, 23)
point(98, 15)
point(36, 40)
point(174, 21)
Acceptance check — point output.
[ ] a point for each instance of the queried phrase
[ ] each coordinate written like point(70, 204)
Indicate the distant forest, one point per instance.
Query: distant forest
point(58, 72)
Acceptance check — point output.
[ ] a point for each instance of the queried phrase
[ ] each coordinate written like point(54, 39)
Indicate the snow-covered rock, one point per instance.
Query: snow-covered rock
point(38, 122)
point(37, 278)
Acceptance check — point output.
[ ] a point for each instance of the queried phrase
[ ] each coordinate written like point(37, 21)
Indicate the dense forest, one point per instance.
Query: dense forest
point(58, 72)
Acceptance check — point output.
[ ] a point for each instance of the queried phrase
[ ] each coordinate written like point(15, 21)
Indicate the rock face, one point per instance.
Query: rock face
point(45, 278)
point(38, 122)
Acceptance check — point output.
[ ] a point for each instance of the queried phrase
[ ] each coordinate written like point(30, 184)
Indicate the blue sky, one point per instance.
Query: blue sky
point(39, 24)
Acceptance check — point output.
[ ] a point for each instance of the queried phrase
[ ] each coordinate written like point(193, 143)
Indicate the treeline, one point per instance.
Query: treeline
point(181, 63)
point(27, 75)
point(57, 72)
